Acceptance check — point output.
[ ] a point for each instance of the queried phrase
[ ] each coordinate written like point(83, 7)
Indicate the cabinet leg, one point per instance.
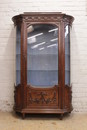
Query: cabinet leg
point(23, 115)
point(61, 116)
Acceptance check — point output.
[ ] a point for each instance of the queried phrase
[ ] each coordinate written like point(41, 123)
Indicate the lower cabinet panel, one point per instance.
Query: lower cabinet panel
point(43, 100)
point(42, 97)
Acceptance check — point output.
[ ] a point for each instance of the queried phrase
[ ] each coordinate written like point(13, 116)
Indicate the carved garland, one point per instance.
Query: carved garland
point(42, 98)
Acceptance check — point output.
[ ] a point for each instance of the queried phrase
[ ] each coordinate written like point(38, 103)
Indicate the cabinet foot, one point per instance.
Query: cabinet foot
point(23, 115)
point(61, 116)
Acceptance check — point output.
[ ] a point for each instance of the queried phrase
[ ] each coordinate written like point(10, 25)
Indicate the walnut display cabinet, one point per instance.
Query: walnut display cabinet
point(43, 63)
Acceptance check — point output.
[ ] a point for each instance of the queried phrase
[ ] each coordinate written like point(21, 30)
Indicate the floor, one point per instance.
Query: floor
point(11, 121)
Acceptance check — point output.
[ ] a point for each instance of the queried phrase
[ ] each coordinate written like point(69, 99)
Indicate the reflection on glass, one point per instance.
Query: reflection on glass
point(42, 55)
point(18, 35)
point(67, 55)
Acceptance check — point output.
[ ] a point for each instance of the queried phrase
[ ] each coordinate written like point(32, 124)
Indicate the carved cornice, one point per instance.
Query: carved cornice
point(43, 17)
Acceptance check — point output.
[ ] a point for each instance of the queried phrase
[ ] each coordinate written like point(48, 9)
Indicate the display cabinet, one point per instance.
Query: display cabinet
point(43, 63)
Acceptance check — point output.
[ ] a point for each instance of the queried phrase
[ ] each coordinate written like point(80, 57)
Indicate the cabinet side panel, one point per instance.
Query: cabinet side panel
point(17, 97)
point(18, 54)
point(68, 98)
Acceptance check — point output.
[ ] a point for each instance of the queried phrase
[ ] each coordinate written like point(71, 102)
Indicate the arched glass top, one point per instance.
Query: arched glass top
point(42, 55)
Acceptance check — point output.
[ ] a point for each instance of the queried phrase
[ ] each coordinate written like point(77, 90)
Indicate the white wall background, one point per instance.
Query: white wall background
point(78, 9)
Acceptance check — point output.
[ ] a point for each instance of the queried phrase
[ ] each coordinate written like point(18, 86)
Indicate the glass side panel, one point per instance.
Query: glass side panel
point(18, 53)
point(67, 55)
point(42, 55)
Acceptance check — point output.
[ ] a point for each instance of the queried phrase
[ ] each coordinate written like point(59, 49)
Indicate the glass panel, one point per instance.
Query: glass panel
point(67, 55)
point(18, 52)
point(42, 55)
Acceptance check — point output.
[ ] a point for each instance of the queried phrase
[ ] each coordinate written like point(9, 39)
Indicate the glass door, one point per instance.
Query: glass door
point(42, 55)
point(67, 55)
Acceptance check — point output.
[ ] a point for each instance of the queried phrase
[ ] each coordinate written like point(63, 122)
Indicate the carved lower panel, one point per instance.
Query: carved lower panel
point(42, 97)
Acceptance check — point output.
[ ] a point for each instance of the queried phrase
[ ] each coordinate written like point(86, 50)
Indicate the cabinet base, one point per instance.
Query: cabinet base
point(61, 112)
